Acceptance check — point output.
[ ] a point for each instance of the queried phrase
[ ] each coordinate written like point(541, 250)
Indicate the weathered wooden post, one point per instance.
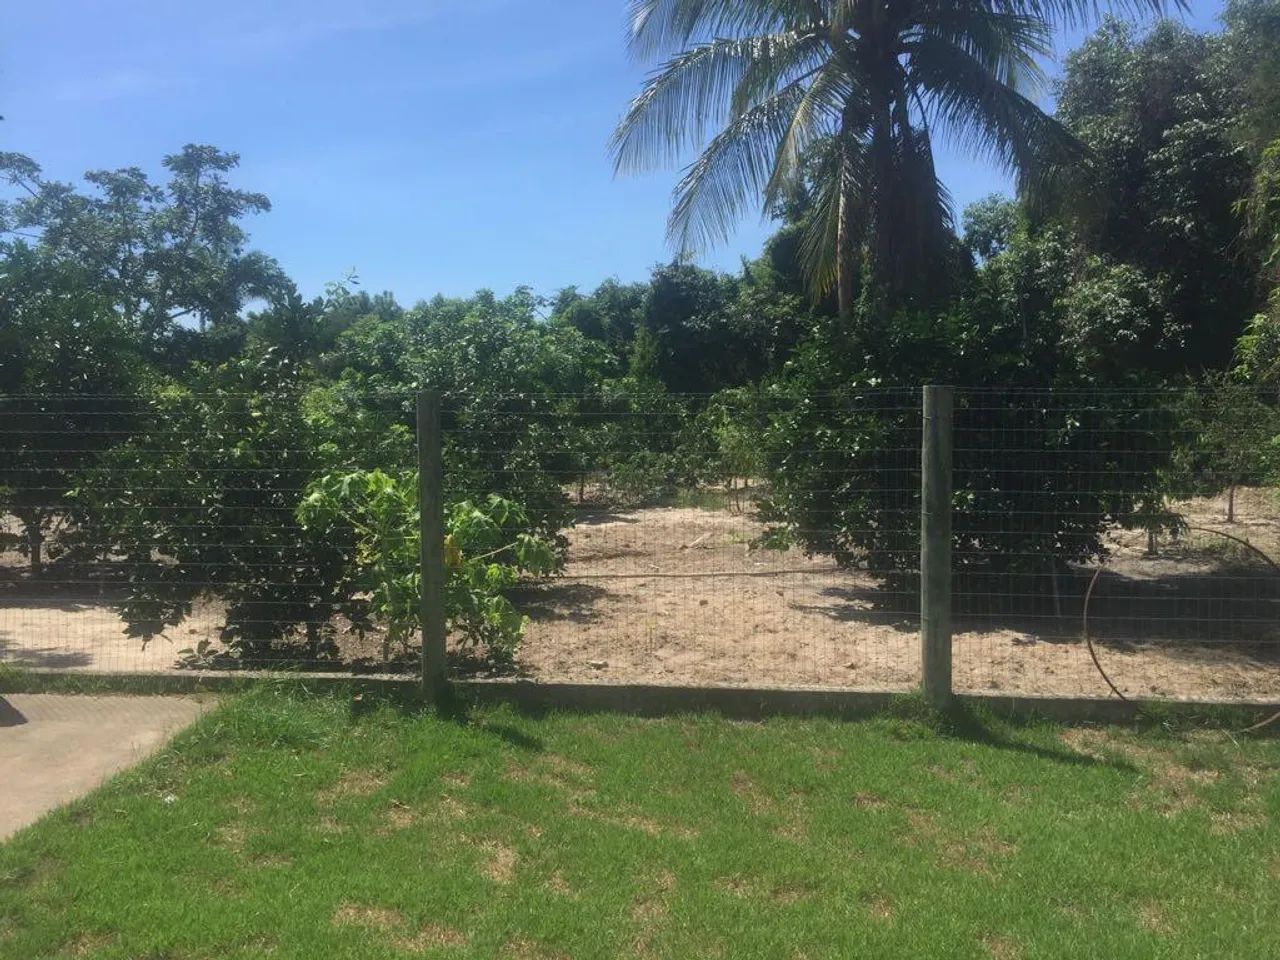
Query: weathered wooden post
point(935, 545)
point(431, 557)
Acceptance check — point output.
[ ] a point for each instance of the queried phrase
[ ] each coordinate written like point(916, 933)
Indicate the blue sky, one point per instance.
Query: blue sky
point(431, 145)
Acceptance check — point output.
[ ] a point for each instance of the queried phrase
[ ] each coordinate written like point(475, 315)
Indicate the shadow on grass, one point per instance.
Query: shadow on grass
point(411, 703)
point(971, 726)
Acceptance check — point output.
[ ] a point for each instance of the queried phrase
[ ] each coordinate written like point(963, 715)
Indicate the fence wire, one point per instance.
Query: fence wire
point(685, 561)
point(162, 533)
point(1143, 523)
point(749, 538)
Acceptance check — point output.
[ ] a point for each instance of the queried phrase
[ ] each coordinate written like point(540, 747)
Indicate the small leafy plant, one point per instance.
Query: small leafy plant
point(487, 548)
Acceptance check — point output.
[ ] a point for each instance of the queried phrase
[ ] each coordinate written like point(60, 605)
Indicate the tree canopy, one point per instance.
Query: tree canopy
point(848, 96)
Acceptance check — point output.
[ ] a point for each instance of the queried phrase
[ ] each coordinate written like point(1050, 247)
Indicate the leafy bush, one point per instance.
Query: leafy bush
point(199, 503)
point(1040, 474)
point(487, 548)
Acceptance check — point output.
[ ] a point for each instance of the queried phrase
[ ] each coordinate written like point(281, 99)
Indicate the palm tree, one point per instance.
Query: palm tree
point(847, 96)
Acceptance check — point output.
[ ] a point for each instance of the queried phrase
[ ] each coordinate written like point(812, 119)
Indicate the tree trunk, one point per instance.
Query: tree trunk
point(35, 545)
point(1231, 503)
point(845, 260)
point(313, 639)
point(32, 519)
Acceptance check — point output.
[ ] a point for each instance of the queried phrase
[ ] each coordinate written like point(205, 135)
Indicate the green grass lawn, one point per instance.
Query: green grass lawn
point(291, 826)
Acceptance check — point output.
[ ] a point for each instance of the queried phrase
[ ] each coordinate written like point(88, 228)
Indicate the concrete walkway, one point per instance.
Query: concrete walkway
point(54, 748)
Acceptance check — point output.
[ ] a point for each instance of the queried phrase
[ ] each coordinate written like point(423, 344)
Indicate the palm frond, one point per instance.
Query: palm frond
point(1008, 44)
point(781, 59)
point(731, 173)
point(828, 96)
point(1079, 13)
point(982, 114)
point(841, 176)
point(694, 94)
point(657, 27)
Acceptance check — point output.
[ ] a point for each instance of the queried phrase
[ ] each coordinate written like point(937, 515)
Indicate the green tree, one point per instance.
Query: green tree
point(68, 364)
point(1161, 115)
point(163, 255)
point(861, 86)
point(989, 225)
point(1040, 320)
point(200, 503)
point(487, 548)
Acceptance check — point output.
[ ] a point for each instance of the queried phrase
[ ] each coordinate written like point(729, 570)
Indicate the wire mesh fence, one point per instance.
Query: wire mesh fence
point(1103, 540)
point(150, 534)
point(1117, 541)
point(682, 561)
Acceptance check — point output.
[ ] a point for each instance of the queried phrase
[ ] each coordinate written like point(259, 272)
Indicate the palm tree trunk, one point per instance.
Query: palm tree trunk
point(846, 235)
point(846, 262)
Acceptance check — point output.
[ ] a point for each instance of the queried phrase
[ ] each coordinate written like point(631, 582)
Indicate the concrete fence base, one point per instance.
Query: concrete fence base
point(651, 700)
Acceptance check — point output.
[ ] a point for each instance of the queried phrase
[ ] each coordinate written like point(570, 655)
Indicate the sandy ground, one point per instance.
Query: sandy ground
point(55, 748)
point(679, 596)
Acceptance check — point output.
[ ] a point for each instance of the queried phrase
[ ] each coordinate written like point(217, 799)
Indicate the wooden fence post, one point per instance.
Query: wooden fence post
point(431, 557)
point(935, 545)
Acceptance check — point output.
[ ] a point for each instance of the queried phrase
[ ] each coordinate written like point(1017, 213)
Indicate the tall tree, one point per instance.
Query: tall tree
point(67, 361)
point(161, 253)
point(860, 85)
point(1162, 116)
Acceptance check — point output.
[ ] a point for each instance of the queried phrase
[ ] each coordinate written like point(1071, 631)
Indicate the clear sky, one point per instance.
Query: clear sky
point(431, 145)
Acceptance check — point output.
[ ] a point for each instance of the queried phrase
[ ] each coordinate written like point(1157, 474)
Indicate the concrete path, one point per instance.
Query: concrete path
point(54, 748)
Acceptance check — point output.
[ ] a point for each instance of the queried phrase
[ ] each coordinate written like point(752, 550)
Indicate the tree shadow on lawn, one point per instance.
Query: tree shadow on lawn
point(961, 723)
point(409, 702)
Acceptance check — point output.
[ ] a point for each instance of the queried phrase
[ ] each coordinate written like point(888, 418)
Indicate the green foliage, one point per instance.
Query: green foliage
point(487, 548)
point(841, 445)
point(68, 364)
point(1230, 437)
point(722, 444)
point(989, 225)
point(199, 504)
point(1134, 269)
point(159, 254)
point(835, 96)
point(1159, 114)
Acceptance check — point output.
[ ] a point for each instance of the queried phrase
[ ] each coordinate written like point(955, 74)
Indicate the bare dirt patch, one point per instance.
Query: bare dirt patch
point(652, 905)
point(353, 783)
point(232, 837)
point(879, 906)
point(523, 948)
point(373, 918)
point(557, 884)
point(679, 595)
point(1154, 917)
point(500, 862)
point(1002, 948)
point(87, 944)
point(397, 817)
point(432, 936)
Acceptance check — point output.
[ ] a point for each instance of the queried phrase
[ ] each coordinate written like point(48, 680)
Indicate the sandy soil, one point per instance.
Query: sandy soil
point(678, 595)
